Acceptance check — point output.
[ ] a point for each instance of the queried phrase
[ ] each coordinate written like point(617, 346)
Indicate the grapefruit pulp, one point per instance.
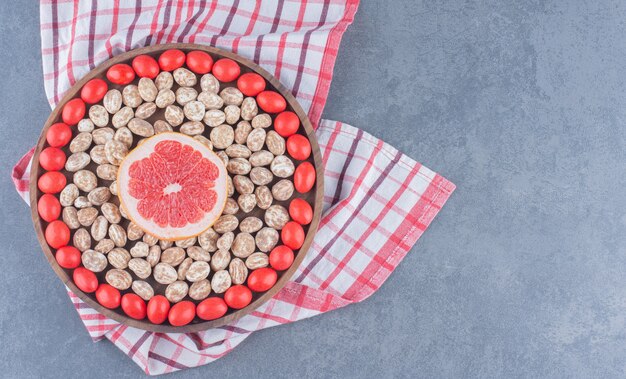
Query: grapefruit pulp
point(172, 186)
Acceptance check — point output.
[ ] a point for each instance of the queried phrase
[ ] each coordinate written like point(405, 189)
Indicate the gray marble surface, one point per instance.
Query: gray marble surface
point(521, 104)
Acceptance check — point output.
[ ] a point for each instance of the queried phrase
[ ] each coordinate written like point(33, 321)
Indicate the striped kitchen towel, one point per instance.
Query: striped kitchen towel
point(377, 201)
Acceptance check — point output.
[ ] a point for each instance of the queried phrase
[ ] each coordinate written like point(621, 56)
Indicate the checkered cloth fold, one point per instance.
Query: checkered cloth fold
point(377, 201)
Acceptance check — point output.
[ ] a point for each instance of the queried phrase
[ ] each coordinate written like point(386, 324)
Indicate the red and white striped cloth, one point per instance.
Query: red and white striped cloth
point(377, 201)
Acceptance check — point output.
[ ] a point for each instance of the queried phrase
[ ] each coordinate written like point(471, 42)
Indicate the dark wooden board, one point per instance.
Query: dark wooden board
point(314, 197)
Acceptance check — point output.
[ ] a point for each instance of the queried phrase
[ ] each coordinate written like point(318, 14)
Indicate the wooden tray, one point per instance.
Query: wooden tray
point(314, 197)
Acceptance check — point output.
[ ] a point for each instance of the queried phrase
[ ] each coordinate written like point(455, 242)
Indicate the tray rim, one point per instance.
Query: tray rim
point(145, 324)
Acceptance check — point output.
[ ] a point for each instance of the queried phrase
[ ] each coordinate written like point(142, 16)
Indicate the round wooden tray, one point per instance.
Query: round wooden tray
point(314, 197)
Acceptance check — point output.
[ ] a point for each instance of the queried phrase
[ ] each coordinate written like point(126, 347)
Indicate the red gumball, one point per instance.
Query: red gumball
point(121, 74)
point(226, 70)
point(57, 234)
point(93, 91)
point(292, 235)
point(199, 62)
point(212, 308)
point(49, 207)
point(134, 306)
point(52, 159)
point(68, 257)
point(145, 66)
point(271, 101)
point(299, 147)
point(300, 211)
point(158, 309)
point(281, 258)
point(304, 177)
point(238, 296)
point(73, 111)
point(286, 123)
point(182, 313)
point(251, 84)
point(85, 280)
point(58, 135)
point(51, 182)
point(262, 279)
point(108, 296)
point(171, 59)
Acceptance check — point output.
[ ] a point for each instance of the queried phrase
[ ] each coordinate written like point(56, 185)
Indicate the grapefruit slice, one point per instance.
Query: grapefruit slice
point(172, 186)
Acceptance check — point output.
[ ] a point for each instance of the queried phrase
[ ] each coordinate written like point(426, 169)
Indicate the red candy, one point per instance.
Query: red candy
point(51, 182)
point(226, 70)
point(212, 308)
point(182, 313)
point(261, 280)
point(57, 234)
point(300, 211)
point(73, 111)
point(52, 159)
point(199, 62)
point(58, 134)
point(271, 102)
point(304, 177)
point(158, 308)
point(292, 235)
point(299, 147)
point(85, 280)
point(170, 60)
point(238, 296)
point(251, 84)
point(108, 296)
point(145, 66)
point(68, 257)
point(49, 207)
point(121, 74)
point(94, 91)
point(134, 306)
point(286, 123)
point(281, 258)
